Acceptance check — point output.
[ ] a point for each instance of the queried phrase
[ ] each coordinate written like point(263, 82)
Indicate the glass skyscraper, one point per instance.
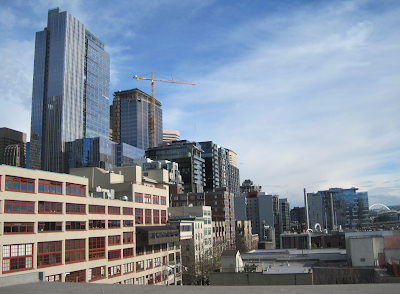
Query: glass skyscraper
point(71, 85)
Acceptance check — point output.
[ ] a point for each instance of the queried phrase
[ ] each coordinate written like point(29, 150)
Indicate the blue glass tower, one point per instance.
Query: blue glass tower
point(71, 85)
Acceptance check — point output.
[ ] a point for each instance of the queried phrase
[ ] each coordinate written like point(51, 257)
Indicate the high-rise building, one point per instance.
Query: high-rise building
point(248, 186)
point(12, 147)
point(284, 215)
point(170, 135)
point(131, 119)
point(71, 85)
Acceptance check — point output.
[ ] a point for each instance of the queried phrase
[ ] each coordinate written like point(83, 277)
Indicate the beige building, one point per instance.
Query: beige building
point(85, 229)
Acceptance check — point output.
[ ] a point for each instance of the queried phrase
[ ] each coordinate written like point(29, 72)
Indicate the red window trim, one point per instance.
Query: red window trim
point(115, 210)
point(127, 223)
point(47, 253)
point(147, 198)
point(114, 240)
point(111, 221)
point(102, 222)
point(138, 197)
point(98, 273)
point(70, 186)
point(97, 248)
point(127, 238)
point(27, 181)
point(19, 203)
point(128, 252)
point(102, 209)
point(42, 207)
point(78, 247)
point(68, 223)
point(43, 224)
point(75, 208)
point(114, 254)
point(163, 200)
point(18, 257)
point(128, 210)
point(50, 184)
point(19, 225)
point(76, 274)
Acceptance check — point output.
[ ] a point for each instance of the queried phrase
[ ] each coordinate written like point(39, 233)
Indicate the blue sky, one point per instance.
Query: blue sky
point(305, 92)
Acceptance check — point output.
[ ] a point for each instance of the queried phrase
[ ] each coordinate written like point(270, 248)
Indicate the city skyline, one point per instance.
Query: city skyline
point(304, 92)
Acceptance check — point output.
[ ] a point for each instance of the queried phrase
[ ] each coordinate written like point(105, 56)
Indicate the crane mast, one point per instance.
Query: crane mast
point(153, 102)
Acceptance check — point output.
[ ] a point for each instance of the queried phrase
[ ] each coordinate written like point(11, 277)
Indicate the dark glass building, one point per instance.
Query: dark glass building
point(131, 123)
point(71, 85)
point(12, 147)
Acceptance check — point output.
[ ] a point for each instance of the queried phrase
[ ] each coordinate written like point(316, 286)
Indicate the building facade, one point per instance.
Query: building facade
point(57, 224)
point(171, 135)
point(71, 85)
point(131, 119)
point(12, 147)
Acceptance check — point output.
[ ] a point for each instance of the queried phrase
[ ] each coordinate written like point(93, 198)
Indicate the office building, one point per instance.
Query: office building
point(64, 226)
point(233, 174)
point(132, 121)
point(248, 186)
point(71, 85)
point(188, 156)
point(170, 135)
point(284, 215)
point(12, 147)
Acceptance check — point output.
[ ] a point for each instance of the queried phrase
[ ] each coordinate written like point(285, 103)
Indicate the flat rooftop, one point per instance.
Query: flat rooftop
point(78, 288)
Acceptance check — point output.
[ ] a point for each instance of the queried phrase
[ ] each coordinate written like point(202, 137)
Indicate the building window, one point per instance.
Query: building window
point(157, 248)
point(53, 278)
point(128, 252)
point(128, 223)
point(156, 199)
point(149, 279)
point(96, 273)
point(114, 210)
point(96, 209)
point(73, 208)
point(74, 250)
point(97, 224)
point(50, 187)
point(140, 266)
point(75, 190)
point(114, 270)
point(49, 227)
point(128, 211)
point(163, 200)
point(149, 264)
point(97, 248)
point(128, 237)
point(140, 281)
point(13, 206)
point(114, 240)
point(114, 254)
point(49, 254)
point(76, 277)
point(157, 277)
point(149, 249)
point(163, 217)
point(139, 197)
point(114, 224)
point(156, 216)
point(49, 207)
point(17, 257)
point(129, 267)
point(157, 261)
point(75, 226)
point(139, 216)
point(147, 214)
point(20, 184)
point(18, 228)
point(129, 281)
point(147, 198)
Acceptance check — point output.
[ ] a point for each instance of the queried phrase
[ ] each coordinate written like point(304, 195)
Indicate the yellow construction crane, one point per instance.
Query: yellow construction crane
point(153, 101)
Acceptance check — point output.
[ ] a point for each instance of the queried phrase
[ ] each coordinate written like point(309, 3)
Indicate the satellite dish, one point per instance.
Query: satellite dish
point(124, 198)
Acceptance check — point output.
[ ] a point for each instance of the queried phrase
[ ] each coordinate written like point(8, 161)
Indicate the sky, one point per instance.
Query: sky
point(305, 92)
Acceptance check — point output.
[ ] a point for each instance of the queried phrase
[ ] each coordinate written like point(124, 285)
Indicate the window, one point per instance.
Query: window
point(140, 250)
point(97, 248)
point(50, 187)
point(163, 216)
point(139, 197)
point(76, 277)
point(157, 261)
point(156, 216)
point(147, 198)
point(157, 248)
point(149, 279)
point(163, 200)
point(53, 278)
point(149, 249)
point(96, 273)
point(114, 270)
point(157, 277)
point(73, 208)
point(49, 254)
point(156, 199)
point(17, 257)
point(128, 211)
point(129, 281)
point(149, 263)
point(50, 207)
point(138, 216)
point(20, 184)
point(75, 226)
point(75, 189)
point(97, 224)
point(147, 214)
point(99, 209)
point(128, 223)
point(49, 227)
point(128, 252)
point(128, 237)
point(114, 240)
point(13, 206)
point(140, 281)
point(114, 254)
point(129, 267)
point(114, 210)
point(74, 250)
point(114, 224)
point(140, 266)
point(18, 228)
point(362, 259)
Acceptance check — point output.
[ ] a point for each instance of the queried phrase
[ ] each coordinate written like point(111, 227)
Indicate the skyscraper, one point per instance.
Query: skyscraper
point(12, 147)
point(71, 85)
point(131, 119)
